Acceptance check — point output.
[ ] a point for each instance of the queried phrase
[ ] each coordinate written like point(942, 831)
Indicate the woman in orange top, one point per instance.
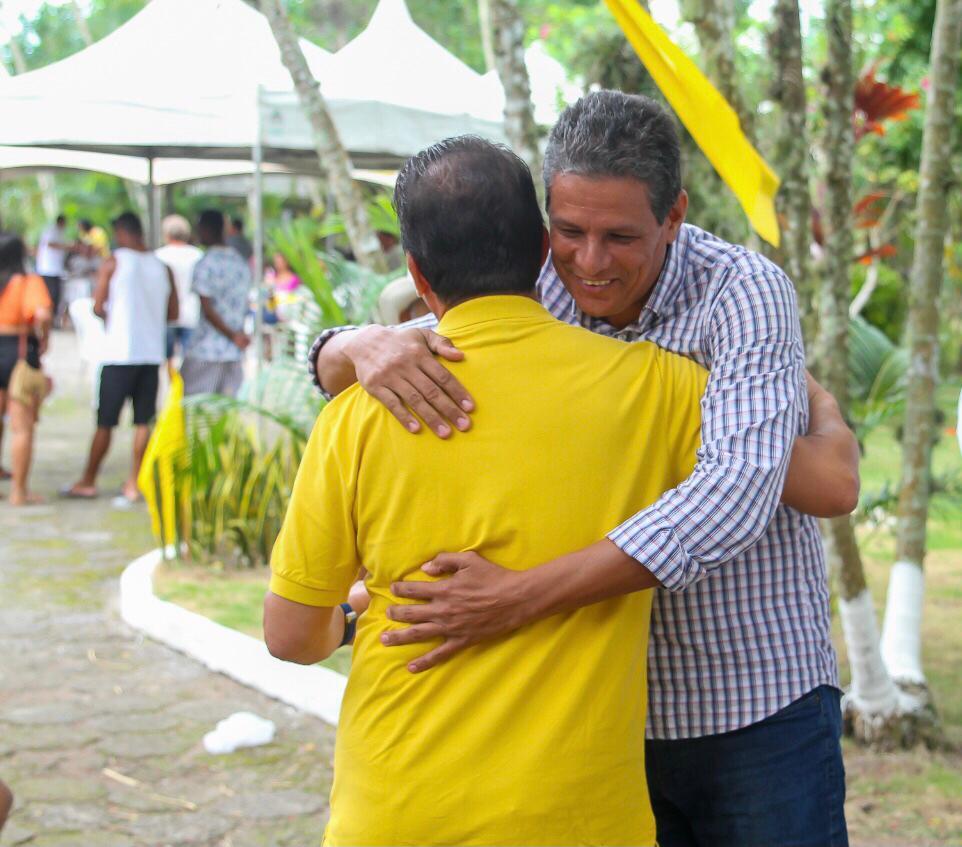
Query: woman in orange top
point(25, 316)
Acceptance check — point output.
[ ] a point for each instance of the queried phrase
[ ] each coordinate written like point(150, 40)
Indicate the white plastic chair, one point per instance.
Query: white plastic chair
point(91, 340)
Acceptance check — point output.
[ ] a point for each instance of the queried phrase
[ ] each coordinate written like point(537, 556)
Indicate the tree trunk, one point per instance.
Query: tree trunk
point(81, 23)
point(714, 23)
point(334, 161)
point(838, 95)
point(871, 705)
point(901, 640)
point(507, 31)
point(487, 35)
point(794, 201)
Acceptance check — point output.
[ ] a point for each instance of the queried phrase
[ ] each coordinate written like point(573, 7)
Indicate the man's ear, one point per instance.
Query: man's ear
point(545, 245)
point(421, 285)
point(676, 215)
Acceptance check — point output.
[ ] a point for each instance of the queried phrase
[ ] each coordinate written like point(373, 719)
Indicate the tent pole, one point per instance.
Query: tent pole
point(153, 207)
point(258, 156)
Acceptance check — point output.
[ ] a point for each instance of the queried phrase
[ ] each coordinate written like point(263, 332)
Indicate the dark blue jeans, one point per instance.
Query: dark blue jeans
point(777, 783)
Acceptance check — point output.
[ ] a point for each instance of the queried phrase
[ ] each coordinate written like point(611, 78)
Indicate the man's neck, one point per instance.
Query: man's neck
point(440, 309)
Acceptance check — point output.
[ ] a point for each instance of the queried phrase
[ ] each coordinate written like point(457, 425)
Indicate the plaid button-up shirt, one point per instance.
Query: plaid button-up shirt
point(741, 628)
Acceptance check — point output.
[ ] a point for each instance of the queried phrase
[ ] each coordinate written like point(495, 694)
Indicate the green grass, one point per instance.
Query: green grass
point(231, 598)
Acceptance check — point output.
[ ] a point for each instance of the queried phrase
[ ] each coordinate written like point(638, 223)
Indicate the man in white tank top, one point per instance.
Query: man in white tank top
point(136, 297)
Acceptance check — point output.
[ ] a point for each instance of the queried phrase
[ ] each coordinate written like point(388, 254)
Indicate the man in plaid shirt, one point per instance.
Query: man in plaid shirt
point(744, 719)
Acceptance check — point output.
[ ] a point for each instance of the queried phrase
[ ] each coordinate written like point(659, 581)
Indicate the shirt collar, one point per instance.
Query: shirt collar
point(672, 276)
point(664, 292)
point(491, 307)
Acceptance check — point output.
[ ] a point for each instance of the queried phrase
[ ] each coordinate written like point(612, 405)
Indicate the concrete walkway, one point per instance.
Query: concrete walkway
point(100, 730)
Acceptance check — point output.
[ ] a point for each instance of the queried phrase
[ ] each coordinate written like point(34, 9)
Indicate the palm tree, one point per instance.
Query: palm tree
point(507, 41)
point(901, 638)
point(872, 703)
point(333, 158)
point(794, 201)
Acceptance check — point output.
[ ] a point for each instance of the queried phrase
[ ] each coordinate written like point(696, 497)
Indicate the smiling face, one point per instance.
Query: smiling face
point(606, 244)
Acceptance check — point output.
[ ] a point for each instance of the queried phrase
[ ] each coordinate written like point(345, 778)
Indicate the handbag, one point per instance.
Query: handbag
point(28, 385)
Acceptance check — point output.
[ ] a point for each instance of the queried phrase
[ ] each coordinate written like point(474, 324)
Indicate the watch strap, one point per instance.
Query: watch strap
point(350, 623)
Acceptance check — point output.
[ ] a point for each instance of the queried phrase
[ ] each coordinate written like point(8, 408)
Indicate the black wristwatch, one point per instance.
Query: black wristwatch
point(350, 623)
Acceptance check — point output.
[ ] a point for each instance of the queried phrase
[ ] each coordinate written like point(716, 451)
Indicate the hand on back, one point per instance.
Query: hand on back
point(399, 368)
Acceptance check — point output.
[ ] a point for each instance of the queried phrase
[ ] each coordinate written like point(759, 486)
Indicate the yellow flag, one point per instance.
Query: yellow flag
point(166, 449)
point(706, 115)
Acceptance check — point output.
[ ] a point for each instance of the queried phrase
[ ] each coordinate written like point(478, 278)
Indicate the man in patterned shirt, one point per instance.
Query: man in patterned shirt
point(214, 359)
point(744, 719)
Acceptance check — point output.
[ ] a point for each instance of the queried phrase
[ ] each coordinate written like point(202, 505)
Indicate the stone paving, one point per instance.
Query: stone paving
point(100, 728)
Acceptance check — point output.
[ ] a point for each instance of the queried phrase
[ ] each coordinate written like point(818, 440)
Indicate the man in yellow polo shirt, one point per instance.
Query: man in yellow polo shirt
point(537, 738)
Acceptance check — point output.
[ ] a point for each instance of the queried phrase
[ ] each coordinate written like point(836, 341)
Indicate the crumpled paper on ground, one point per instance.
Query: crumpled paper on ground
point(241, 729)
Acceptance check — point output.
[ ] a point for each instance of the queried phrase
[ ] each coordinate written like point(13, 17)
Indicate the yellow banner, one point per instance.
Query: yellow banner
point(706, 115)
point(165, 450)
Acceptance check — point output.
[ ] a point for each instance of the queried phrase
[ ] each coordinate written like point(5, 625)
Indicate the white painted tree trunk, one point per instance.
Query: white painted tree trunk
point(902, 630)
point(872, 705)
point(872, 692)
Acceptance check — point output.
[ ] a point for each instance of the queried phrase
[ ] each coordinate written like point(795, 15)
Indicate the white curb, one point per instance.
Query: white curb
point(312, 689)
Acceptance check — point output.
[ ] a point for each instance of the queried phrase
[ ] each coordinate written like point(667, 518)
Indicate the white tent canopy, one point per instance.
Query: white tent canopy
point(16, 162)
point(180, 80)
point(394, 61)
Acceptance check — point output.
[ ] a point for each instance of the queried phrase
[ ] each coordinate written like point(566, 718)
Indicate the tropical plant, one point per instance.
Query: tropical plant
point(332, 156)
point(234, 490)
point(344, 291)
point(876, 369)
point(296, 241)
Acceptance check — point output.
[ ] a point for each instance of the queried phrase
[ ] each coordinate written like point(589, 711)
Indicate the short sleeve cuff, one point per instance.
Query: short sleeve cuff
point(307, 596)
point(315, 351)
point(651, 541)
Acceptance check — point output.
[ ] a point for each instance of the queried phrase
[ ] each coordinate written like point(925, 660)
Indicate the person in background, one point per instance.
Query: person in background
point(52, 251)
point(213, 363)
point(136, 297)
point(391, 247)
point(234, 230)
point(399, 302)
point(282, 282)
point(94, 239)
point(26, 311)
point(181, 257)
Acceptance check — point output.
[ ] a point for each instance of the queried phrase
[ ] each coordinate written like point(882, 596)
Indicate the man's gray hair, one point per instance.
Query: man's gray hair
point(610, 133)
point(175, 228)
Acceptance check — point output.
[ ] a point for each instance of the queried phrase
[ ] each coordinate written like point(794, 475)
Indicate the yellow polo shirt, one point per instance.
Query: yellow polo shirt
point(537, 738)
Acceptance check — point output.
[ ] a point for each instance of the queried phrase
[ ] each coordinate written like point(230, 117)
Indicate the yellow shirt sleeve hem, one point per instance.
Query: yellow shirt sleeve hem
point(298, 593)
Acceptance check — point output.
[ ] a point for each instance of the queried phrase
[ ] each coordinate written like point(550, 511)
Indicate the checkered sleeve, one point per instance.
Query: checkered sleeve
point(752, 409)
point(424, 322)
